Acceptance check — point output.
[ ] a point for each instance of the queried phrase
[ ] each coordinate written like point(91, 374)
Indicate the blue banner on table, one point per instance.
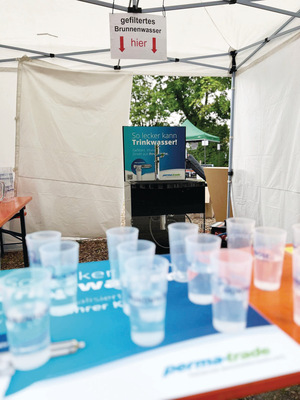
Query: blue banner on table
point(100, 322)
point(154, 153)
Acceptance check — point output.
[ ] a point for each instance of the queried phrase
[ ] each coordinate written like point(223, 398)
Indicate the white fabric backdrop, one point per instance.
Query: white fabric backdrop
point(69, 155)
point(8, 85)
point(266, 152)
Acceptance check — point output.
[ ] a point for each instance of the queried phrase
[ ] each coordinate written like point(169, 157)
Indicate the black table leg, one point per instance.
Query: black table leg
point(23, 233)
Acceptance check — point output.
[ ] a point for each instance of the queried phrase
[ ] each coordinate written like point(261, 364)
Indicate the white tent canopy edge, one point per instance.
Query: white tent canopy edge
point(256, 23)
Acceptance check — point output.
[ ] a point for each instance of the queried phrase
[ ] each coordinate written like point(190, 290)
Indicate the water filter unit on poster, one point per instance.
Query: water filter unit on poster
point(154, 153)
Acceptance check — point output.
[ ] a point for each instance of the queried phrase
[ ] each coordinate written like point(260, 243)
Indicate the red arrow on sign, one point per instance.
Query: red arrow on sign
point(154, 49)
point(122, 48)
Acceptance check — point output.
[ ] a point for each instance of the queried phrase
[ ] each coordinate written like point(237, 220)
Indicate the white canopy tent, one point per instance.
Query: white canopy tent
point(255, 42)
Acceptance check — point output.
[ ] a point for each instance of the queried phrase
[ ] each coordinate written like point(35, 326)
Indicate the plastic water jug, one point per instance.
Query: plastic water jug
point(6, 176)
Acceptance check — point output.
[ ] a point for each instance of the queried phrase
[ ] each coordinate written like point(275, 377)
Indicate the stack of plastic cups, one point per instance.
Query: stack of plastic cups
point(178, 231)
point(62, 259)
point(126, 251)
point(37, 239)
point(240, 233)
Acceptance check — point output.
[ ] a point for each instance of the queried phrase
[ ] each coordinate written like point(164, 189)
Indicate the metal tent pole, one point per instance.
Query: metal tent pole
point(230, 170)
point(267, 8)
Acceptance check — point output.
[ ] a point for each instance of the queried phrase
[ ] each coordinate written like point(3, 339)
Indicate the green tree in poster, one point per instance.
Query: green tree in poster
point(202, 100)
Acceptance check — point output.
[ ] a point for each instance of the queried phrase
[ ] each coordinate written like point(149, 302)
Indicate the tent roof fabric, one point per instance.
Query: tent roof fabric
point(204, 38)
point(194, 134)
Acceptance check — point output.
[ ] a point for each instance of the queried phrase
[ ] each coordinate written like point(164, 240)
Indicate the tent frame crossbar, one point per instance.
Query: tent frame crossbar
point(4, 46)
point(268, 8)
point(83, 61)
point(113, 6)
point(158, 9)
point(205, 65)
point(189, 60)
point(79, 53)
point(185, 6)
point(275, 35)
point(40, 55)
point(202, 57)
point(296, 28)
point(163, 9)
point(173, 60)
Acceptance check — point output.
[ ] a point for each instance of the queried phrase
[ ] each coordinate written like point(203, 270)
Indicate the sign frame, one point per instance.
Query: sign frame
point(138, 36)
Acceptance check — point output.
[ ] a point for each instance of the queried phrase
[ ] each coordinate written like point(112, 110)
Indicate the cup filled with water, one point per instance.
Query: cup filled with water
point(296, 235)
point(201, 251)
point(37, 239)
point(127, 250)
point(147, 295)
point(26, 303)
point(61, 259)
point(115, 236)
point(268, 244)
point(296, 285)
point(177, 232)
point(240, 233)
point(230, 286)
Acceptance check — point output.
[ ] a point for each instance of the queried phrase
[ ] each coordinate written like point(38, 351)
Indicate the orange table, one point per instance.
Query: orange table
point(276, 307)
point(10, 210)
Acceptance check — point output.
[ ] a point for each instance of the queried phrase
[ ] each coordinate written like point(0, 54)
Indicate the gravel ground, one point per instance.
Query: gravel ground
point(96, 250)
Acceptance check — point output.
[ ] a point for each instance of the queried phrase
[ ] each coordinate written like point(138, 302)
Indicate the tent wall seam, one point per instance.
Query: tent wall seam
point(17, 134)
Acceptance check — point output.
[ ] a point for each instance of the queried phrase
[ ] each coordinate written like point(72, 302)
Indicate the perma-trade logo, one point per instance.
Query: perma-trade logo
point(229, 358)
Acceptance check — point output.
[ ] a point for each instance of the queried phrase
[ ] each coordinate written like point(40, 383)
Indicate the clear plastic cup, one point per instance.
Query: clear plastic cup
point(177, 232)
point(126, 251)
point(26, 303)
point(201, 251)
point(269, 244)
point(296, 285)
point(240, 233)
point(62, 259)
point(147, 294)
point(231, 282)
point(296, 235)
point(114, 237)
point(37, 239)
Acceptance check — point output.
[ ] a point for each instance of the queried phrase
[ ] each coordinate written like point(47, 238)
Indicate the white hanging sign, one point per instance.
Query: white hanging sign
point(141, 36)
point(204, 142)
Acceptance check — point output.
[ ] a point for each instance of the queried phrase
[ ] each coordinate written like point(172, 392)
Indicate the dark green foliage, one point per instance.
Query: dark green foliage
point(204, 101)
